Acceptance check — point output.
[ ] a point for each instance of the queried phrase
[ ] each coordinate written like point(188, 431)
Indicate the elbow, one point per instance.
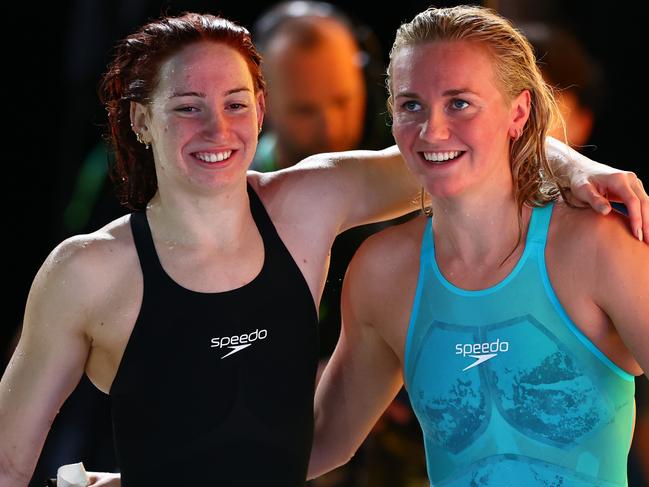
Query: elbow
point(341, 457)
point(322, 466)
point(344, 455)
point(325, 458)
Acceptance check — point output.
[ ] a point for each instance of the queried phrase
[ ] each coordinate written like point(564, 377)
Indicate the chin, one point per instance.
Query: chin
point(443, 189)
point(221, 180)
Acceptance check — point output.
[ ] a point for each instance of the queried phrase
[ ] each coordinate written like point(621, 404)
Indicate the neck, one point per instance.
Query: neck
point(218, 219)
point(478, 230)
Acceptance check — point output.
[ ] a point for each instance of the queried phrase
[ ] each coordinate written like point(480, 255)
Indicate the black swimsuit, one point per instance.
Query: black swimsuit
point(217, 388)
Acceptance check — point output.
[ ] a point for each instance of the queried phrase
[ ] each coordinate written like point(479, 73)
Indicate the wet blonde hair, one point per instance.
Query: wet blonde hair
point(535, 184)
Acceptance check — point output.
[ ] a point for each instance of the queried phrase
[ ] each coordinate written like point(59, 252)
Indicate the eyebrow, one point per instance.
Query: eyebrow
point(176, 94)
point(454, 92)
point(458, 92)
point(200, 94)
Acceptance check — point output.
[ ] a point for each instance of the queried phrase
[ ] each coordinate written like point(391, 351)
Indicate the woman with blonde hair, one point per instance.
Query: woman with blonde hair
point(516, 321)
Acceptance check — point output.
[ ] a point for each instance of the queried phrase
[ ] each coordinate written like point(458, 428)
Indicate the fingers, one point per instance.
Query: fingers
point(621, 186)
point(627, 188)
point(104, 479)
point(636, 200)
point(634, 209)
point(588, 193)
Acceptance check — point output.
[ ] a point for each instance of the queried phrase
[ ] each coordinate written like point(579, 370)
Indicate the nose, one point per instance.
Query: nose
point(216, 125)
point(435, 127)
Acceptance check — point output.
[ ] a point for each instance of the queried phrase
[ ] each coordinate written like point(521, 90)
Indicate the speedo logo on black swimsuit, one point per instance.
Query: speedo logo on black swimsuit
point(480, 351)
point(238, 342)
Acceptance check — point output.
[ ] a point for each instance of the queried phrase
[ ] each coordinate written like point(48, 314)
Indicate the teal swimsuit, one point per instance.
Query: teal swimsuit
point(508, 391)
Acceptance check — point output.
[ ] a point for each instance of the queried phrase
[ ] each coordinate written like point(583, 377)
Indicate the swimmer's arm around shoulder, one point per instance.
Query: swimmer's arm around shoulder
point(597, 184)
point(351, 188)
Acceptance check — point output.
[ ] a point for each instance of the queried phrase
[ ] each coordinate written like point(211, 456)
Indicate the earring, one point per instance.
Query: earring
point(259, 130)
point(140, 140)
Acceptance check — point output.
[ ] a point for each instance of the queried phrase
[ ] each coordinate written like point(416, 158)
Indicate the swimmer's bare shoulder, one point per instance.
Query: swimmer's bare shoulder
point(598, 271)
point(95, 271)
point(111, 269)
point(382, 278)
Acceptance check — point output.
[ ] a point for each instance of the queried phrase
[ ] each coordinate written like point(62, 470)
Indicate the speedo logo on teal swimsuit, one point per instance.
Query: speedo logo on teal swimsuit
point(481, 352)
point(238, 342)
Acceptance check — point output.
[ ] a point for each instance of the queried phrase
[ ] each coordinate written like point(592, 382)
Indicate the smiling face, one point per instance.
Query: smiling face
point(450, 119)
point(203, 119)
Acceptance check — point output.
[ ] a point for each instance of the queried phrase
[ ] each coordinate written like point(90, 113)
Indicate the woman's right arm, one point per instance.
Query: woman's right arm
point(362, 377)
point(48, 361)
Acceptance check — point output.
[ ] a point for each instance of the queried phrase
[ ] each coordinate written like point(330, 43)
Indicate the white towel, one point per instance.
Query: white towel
point(72, 475)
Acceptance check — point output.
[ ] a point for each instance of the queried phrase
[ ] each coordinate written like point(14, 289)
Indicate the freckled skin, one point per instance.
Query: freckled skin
point(475, 121)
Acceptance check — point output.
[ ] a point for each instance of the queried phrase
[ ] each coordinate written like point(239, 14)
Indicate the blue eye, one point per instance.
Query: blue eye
point(458, 104)
point(411, 106)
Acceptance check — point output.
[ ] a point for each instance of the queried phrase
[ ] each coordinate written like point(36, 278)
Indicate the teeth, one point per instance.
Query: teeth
point(213, 156)
point(441, 156)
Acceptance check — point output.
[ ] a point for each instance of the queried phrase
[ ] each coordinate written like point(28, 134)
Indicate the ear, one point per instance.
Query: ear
point(139, 120)
point(520, 112)
point(261, 108)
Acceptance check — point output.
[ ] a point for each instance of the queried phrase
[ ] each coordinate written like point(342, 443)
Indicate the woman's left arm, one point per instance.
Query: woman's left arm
point(598, 184)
